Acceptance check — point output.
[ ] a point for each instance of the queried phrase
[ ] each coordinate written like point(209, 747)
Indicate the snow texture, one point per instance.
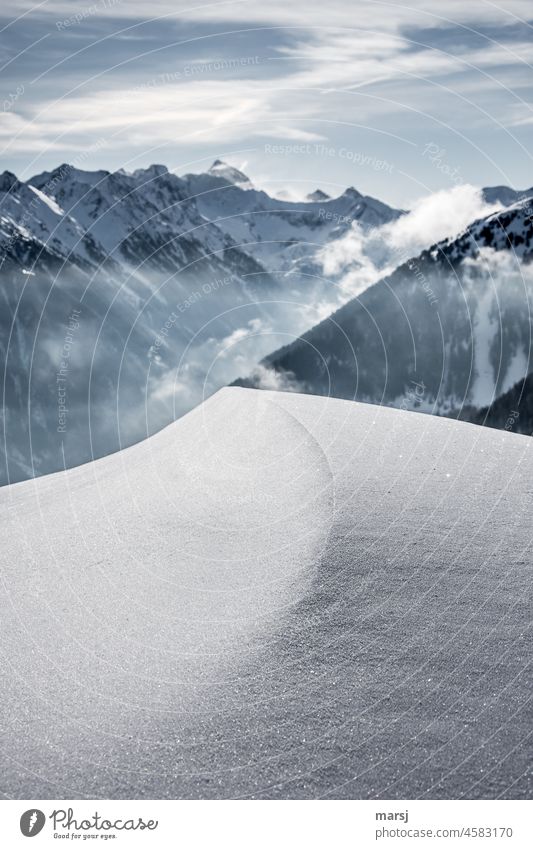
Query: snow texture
point(277, 596)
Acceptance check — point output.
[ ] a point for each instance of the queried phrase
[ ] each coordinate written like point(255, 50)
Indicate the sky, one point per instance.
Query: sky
point(397, 100)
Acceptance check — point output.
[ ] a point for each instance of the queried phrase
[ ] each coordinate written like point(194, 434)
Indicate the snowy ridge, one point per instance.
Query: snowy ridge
point(508, 229)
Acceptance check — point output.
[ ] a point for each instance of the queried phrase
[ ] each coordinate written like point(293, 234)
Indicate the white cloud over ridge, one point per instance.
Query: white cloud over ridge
point(438, 216)
point(361, 259)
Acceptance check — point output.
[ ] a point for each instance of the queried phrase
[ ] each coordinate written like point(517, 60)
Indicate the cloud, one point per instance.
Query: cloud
point(179, 114)
point(392, 14)
point(362, 258)
point(506, 271)
point(265, 377)
point(310, 78)
point(213, 361)
point(439, 216)
point(254, 327)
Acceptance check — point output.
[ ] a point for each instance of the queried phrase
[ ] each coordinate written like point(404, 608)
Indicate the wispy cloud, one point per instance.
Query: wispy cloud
point(124, 74)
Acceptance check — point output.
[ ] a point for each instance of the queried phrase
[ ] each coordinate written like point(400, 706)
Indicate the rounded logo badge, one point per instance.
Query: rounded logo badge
point(32, 822)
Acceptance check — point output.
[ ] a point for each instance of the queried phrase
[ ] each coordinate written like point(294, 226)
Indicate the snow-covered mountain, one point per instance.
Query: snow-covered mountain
point(153, 219)
point(505, 195)
point(146, 221)
point(510, 229)
point(279, 596)
point(284, 236)
point(448, 328)
point(156, 289)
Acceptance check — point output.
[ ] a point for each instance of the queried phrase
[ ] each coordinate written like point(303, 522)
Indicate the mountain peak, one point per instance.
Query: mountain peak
point(153, 171)
point(7, 181)
point(229, 174)
point(318, 195)
point(351, 193)
point(504, 194)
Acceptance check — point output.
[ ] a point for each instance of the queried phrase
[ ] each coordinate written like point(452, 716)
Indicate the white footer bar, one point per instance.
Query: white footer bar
point(263, 825)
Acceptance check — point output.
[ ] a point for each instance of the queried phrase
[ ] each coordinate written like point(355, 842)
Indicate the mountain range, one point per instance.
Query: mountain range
point(164, 274)
point(130, 297)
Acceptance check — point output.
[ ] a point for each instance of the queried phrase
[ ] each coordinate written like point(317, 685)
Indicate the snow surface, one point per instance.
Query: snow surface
point(276, 596)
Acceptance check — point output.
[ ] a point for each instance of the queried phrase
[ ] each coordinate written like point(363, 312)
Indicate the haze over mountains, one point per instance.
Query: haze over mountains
point(128, 298)
point(164, 273)
point(448, 328)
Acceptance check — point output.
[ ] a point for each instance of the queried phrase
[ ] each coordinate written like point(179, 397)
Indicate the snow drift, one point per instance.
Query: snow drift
point(277, 596)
